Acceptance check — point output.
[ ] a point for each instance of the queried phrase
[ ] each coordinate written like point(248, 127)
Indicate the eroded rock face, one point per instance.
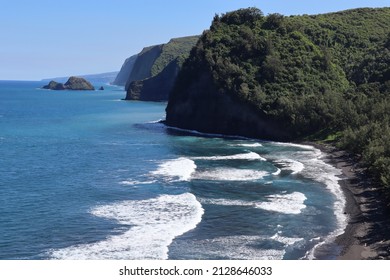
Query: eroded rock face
point(73, 83)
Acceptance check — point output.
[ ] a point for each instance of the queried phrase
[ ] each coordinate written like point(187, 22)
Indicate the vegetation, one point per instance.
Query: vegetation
point(318, 77)
point(148, 79)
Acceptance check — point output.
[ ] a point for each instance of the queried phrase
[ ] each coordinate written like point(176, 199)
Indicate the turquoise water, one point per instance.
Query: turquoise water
point(84, 175)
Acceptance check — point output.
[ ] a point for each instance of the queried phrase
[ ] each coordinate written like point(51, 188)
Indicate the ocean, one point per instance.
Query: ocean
point(85, 175)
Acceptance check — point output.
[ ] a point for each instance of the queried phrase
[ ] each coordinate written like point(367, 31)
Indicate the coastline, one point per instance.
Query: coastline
point(367, 235)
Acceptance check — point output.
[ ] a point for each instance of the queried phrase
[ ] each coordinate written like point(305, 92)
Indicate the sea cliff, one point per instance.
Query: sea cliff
point(155, 69)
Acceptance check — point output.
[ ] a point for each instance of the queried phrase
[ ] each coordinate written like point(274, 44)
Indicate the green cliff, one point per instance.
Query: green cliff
point(156, 68)
point(292, 78)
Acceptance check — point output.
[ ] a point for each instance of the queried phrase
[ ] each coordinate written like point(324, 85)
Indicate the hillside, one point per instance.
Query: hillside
point(155, 69)
point(316, 77)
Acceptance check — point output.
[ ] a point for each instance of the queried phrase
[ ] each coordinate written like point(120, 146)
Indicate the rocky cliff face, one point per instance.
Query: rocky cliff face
point(142, 68)
point(156, 88)
point(202, 108)
point(73, 83)
point(156, 68)
point(124, 73)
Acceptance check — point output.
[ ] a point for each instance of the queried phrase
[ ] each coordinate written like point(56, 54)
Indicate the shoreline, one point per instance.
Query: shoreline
point(367, 234)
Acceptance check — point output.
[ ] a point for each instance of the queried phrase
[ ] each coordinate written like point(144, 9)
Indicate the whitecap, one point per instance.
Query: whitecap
point(292, 203)
point(154, 223)
point(230, 174)
point(179, 169)
point(244, 156)
point(135, 182)
point(277, 172)
point(239, 247)
point(290, 164)
point(286, 240)
point(249, 145)
point(226, 202)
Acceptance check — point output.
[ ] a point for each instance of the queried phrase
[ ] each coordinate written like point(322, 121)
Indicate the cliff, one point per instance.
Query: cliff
point(156, 68)
point(124, 73)
point(322, 77)
point(290, 72)
point(73, 83)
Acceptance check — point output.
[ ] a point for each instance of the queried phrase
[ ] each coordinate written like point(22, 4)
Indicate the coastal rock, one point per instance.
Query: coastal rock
point(101, 88)
point(76, 83)
point(53, 85)
point(73, 83)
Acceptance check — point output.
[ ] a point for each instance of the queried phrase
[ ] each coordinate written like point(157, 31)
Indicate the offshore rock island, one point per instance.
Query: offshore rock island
point(73, 83)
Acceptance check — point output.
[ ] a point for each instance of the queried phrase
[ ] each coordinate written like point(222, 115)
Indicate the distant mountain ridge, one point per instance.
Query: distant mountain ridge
point(105, 78)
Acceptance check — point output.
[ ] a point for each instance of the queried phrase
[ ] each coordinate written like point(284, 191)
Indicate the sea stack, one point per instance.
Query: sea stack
point(73, 83)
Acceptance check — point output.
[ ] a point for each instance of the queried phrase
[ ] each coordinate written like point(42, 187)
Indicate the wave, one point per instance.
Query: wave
point(244, 156)
point(317, 169)
point(230, 174)
point(179, 169)
point(154, 223)
point(277, 172)
point(135, 182)
point(312, 166)
point(240, 247)
point(249, 145)
point(292, 203)
point(290, 164)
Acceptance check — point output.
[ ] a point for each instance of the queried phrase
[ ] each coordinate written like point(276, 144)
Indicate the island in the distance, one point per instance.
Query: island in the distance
point(73, 83)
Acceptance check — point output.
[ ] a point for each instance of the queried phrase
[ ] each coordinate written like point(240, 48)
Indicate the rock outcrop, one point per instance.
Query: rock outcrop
point(73, 83)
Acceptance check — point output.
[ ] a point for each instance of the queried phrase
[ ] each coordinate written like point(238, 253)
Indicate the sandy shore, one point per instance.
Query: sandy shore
point(367, 235)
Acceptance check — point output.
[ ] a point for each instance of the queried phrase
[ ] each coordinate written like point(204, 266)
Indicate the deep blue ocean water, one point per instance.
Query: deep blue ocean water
point(84, 175)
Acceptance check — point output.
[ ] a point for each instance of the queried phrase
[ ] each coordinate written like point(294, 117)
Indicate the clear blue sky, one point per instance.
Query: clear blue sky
point(44, 39)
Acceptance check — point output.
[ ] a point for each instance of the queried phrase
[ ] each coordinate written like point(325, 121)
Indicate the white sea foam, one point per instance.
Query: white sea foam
point(286, 240)
point(277, 172)
point(179, 169)
point(320, 171)
point(315, 168)
point(226, 202)
point(292, 203)
point(230, 174)
point(154, 223)
point(241, 247)
point(244, 156)
point(290, 164)
point(135, 182)
point(249, 145)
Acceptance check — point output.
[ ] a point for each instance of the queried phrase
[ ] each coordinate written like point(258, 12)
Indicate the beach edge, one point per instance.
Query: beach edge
point(367, 234)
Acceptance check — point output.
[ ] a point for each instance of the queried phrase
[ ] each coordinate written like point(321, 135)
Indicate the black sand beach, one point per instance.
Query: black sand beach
point(367, 235)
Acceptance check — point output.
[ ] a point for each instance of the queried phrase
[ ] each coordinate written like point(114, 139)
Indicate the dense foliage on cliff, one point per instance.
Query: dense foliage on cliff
point(153, 73)
point(316, 77)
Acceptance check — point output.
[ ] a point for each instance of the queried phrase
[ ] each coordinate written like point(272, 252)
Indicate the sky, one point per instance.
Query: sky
point(55, 38)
